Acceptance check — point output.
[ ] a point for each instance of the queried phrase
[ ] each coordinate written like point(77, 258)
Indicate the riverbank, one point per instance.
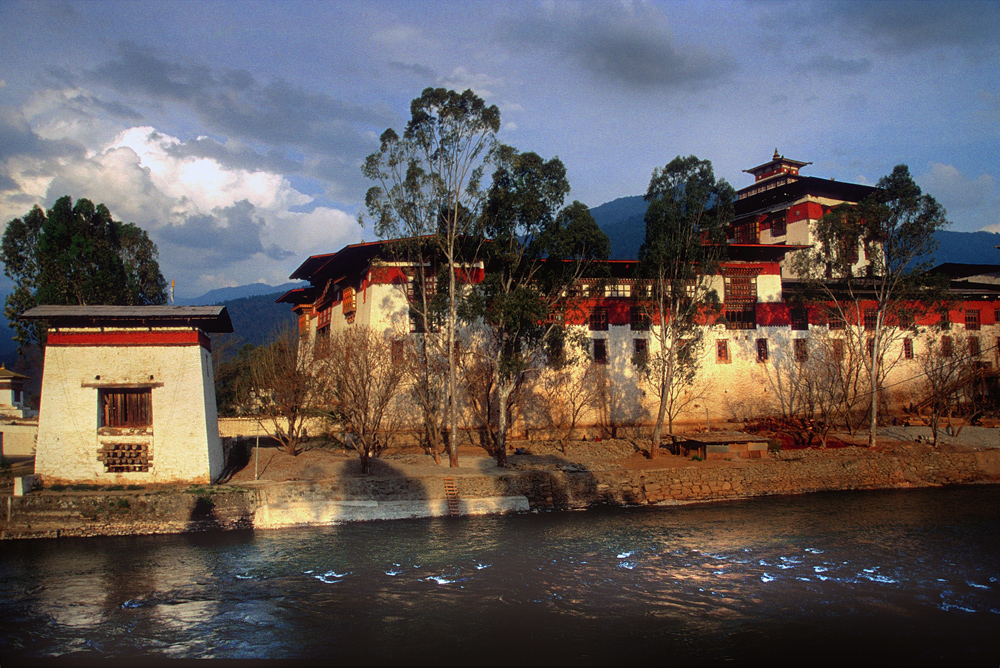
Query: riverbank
point(324, 486)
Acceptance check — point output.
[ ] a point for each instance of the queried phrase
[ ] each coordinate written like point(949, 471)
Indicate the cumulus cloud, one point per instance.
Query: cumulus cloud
point(626, 44)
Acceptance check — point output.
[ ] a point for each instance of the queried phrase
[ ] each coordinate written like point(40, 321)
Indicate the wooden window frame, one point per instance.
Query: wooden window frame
point(125, 407)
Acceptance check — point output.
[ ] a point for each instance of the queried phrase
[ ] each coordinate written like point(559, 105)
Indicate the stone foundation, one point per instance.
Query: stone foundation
point(392, 497)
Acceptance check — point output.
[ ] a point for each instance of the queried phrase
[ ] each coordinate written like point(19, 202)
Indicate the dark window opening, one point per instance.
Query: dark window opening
point(838, 349)
point(601, 351)
point(761, 350)
point(800, 318)
point(974, 348)
point(640, 352)
point(946, 346)
point(722, 351)
point(801, 350)
point(908, 348)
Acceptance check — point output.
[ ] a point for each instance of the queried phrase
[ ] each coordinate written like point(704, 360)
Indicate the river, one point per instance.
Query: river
point(889, 577)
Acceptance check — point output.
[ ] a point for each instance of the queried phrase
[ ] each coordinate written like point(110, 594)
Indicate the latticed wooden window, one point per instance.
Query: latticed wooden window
point(599, 320)
point(801, 350)
point(908, 348)
point(741, 315)
point(638, 319)
point(946, 346)
point(871, 319)
point(741, 288)
point(972, 320)
point(779, 226)
point(722, 351)
point(762, 350)
point(127, 408)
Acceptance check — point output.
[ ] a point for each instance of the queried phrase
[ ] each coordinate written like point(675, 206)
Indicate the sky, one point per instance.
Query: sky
point(234, 132)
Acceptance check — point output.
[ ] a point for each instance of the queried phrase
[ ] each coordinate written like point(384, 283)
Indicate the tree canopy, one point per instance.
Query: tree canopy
point(685, 241)
point(76, 254)
point(535, 254)
point(895, 228)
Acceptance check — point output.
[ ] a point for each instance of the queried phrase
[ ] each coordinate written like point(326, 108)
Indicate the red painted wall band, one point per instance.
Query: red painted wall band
point(131, 338)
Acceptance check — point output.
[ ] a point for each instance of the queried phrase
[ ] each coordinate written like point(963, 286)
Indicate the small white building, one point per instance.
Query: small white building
point(128, 394)
point(12, 394)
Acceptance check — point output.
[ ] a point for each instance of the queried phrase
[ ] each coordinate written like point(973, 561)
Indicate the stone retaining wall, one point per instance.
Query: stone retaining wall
point(389, 497)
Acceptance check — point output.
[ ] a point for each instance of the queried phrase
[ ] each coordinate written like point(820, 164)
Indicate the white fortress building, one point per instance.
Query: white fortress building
point(128, 394)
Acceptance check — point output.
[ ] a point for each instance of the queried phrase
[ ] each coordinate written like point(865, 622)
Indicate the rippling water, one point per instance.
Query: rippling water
point(865, 577)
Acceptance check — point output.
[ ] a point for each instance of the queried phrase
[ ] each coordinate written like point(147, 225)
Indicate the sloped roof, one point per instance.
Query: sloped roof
point(214, 319)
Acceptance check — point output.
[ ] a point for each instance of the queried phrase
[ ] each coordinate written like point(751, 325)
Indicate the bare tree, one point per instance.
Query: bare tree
point(286, 388)
point(570, 388)
point(363, 380)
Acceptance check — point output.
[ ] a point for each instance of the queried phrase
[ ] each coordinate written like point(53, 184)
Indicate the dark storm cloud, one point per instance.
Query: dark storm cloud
point(228, 235)
point(236, 103)
point(969, 26)
point(239, 158)
point(419, 70)
point(636, 50)
point(19, 139)
point(827, 65)
point(7, 184)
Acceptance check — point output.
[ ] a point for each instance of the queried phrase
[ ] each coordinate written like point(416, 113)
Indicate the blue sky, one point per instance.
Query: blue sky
point(234, 131)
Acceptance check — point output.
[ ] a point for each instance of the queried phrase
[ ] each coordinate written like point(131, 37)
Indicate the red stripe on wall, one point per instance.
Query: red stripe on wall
point(131, 338)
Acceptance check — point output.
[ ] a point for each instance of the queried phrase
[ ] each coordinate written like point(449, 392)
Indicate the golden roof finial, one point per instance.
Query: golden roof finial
point(776, 155)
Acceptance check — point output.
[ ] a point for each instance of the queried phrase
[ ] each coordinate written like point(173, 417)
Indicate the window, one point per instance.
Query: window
point(620, 290)
point(126, 408)
point(746, 233)
point(908, 348)
point(638, 319)
point(946, 346)
point(397, 352)
point(684, 351)
point(838, 349)
point(779, 226)
point(640, 352)
point(801, 350)
point(870, 347)
point(741, 316)
point(974, 348)
point(722, 351)
point(599, 320)
point(871, 319)
point(972, 320)
point(741, 288)
point(800, 318)
point(601, 351)
point(556, 352)
point(741, 302)
point(761, 350)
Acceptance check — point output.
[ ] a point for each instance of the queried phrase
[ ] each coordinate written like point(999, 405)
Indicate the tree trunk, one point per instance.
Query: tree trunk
point(503, 394)
point(452, 375)
point(654, 446)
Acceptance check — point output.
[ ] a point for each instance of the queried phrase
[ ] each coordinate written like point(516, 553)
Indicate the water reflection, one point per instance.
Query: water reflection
point(901, 576)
